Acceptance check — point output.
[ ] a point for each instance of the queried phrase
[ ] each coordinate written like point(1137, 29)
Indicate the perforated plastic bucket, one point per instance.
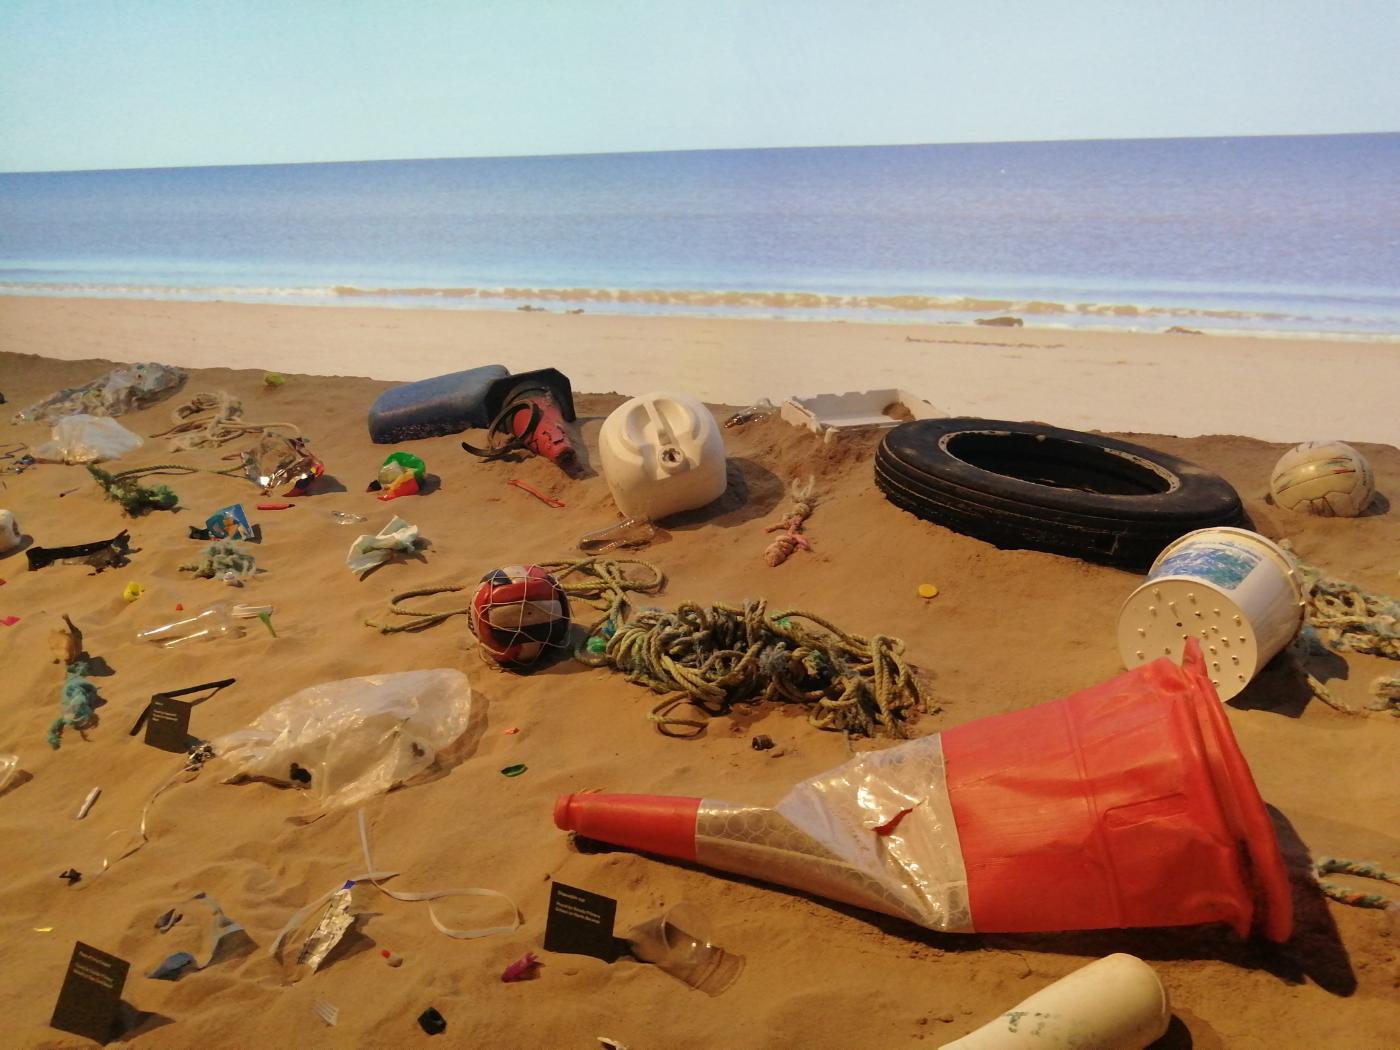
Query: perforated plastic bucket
point(1236, 592)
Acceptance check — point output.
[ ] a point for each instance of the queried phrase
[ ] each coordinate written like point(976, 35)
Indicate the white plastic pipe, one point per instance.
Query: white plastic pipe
point(1115, 1003)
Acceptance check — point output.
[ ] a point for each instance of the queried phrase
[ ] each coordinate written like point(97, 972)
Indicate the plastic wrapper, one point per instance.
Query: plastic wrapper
point(277, 460)
point(9, 768)
point(87, 439)
point(121, 390)
point(335, 923)
point(368, 551)
point(347, 741)
point(226, 523)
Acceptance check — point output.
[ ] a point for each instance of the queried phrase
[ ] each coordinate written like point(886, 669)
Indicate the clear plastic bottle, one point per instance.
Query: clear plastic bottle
point(214, 622)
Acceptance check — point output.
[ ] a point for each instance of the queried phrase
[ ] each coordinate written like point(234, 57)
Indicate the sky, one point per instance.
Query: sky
point(89, 84)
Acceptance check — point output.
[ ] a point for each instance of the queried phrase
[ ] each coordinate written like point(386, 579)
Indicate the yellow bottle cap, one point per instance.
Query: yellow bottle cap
point(927, 590)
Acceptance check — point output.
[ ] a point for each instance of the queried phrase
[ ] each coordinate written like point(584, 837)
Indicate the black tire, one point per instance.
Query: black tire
point(1030, 486)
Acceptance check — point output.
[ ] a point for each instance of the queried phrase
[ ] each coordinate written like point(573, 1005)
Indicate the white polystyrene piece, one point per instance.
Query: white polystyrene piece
point(10, 535)
point(661, 454)
point(1114, 1003)
point(1236, 591)
point(825, 413)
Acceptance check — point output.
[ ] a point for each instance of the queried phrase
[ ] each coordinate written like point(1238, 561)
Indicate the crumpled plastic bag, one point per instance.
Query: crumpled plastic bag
point(121, 390)
point(346, 741)
point(87, 439)
point(368, 551)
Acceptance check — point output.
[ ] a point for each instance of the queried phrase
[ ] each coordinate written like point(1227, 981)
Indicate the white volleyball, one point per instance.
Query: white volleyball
point(1329, 478)
point(9, 532)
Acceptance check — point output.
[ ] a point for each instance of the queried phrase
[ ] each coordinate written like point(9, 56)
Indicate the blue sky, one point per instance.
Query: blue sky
point(143, 83)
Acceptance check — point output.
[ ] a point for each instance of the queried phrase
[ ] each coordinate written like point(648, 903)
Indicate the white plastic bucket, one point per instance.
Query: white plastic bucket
point(1238, 592)
point(662, 454)
point(1114, 1003)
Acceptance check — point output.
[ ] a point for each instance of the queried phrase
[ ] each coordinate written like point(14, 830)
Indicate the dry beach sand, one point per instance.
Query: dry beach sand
point(1009, 629)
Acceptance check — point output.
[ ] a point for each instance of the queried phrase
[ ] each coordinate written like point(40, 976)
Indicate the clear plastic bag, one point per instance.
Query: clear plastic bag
point(346, 741)
point(121, 390)
point(87, 439)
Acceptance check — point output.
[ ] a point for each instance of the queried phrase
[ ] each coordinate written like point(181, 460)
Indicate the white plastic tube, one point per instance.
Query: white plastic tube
point(1114, 1003)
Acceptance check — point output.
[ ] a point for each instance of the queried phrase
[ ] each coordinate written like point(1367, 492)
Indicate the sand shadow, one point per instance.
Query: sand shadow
point(131, 1022)
point(325, 485)
point(25, 542)
point(1379, 505)
point(752, 491)
point(1282, 686)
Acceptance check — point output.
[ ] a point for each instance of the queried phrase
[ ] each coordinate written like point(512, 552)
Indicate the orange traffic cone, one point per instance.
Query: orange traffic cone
point(1124, 805)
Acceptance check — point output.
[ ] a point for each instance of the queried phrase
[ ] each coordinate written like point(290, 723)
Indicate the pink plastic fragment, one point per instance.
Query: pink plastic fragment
point(9, 621)
point(523, 969)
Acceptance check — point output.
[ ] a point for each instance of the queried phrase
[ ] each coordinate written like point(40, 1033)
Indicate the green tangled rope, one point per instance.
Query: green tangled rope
point(134, 497)
point(1360, 868)
point(1349, 618)
point(719, 656)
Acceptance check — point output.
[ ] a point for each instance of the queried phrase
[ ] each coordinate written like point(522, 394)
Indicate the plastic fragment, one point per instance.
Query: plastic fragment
point(523, 969)
point(326, 1011)
point(71, 874)
point(927, 590)
point(392, 958)
point(87, 803)
point(515, 770)
point(432, 1022)
point(132, 591)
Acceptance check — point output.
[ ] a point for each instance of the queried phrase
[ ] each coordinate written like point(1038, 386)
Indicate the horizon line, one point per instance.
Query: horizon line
point(697, 149)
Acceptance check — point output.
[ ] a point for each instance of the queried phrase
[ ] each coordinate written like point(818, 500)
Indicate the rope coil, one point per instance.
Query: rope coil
point(722, 655)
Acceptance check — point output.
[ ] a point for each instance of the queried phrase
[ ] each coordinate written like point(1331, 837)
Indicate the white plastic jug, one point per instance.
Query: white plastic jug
point(1114, 1003)
point(662, 454)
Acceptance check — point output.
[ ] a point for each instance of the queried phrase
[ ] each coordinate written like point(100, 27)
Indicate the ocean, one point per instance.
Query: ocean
point(1265, 235)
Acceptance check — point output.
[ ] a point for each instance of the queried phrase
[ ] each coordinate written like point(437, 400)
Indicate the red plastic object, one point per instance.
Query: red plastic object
point(1125, 805)
point(549, 439)
point(663, 824)
point(275, 506)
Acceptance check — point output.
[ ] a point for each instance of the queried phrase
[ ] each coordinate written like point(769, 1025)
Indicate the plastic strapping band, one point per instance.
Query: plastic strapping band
point(438, 894)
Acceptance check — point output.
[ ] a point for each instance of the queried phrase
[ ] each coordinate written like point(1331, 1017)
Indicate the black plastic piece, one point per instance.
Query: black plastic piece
point(432, 1022)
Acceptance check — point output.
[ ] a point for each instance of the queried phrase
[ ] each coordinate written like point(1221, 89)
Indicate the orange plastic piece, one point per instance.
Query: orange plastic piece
point(663, 824)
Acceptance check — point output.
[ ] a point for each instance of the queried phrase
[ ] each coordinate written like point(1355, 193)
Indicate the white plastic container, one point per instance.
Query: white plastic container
point(1114, 1003)
point(1238, 592)
point(662, 454)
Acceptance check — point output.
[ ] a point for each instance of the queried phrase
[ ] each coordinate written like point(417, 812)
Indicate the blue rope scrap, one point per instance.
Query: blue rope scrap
point(79, 695)
point(1355, 620)
point(1361, 869)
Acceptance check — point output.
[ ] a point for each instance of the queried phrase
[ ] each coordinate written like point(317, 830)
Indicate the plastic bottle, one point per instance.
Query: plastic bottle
point(205, 626)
